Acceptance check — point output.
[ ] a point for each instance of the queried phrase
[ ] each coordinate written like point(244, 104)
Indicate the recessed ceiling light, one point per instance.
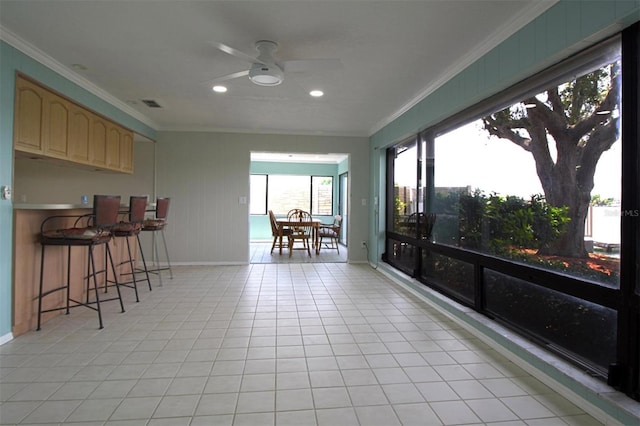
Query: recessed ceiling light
point(219, 89)
point(79, 67)
point(316, 93)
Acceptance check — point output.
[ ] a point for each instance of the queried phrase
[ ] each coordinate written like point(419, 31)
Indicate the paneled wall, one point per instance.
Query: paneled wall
point(42, 182)
point(207, 173)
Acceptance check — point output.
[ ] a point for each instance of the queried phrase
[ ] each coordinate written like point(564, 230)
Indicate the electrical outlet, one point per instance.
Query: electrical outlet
point(363, 244)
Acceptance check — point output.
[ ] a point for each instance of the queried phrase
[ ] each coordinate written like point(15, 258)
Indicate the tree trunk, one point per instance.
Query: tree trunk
point(565, 183)
point(571, 242)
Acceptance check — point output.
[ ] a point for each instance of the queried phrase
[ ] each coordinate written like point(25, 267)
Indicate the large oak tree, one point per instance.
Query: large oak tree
point(581, 120)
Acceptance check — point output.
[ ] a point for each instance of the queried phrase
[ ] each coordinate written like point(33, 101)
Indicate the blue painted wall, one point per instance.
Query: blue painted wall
point(259, 227)
point(12, 60)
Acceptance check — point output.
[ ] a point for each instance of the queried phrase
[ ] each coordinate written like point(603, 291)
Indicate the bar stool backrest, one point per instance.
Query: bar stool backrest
point(105, 210)
point(162, 207)
point(137, 208)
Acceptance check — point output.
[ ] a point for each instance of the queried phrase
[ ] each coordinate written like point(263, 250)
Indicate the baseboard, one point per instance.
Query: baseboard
point(6, 338)
point(166, 265)
point(591, 395)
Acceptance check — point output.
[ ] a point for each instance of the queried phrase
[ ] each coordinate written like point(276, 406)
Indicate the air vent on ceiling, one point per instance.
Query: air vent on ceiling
point(151, 103)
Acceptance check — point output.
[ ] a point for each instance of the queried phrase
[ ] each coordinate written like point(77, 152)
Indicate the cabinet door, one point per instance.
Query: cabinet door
point(113, 146)
point(126, 152)
point(29, 105)
point(98, 142)
point(55, 126)
point(79, 134)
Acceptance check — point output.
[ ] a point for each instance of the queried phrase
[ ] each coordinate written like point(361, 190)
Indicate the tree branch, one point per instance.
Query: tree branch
point(504, 131)
point(553, 119)
point(609, 103)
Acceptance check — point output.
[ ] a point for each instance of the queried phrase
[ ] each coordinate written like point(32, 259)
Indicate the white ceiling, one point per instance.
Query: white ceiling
point(287, 157)
point(393, 53)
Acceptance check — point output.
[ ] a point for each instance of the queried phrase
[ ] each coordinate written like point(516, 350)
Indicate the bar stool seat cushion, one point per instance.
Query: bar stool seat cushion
point(79, 236)
point(153, 224)
point(126, 229)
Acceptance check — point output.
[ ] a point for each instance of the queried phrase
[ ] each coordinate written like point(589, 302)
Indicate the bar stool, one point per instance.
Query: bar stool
point(132, 228)
point(155, 225)
point(96, 231)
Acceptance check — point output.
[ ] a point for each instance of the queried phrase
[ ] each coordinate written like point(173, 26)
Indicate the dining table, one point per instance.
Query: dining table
point(284, 223)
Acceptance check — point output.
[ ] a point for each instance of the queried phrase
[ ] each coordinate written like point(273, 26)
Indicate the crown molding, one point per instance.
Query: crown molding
point(283, 132)
point(532, 11)
point(41, 57)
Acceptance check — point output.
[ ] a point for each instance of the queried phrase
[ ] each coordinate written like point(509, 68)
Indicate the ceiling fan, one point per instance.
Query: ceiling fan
point(265, 71)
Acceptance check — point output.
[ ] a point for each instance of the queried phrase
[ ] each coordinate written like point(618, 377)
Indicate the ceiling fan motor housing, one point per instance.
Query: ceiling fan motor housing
point(265, 74)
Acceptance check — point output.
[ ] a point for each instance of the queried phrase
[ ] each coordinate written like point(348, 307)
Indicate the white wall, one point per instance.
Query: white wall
point(206, 173)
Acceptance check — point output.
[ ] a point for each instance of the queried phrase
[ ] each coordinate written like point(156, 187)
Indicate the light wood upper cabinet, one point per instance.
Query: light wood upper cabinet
point(126, 152)
point(28, 110)
point(79, 134)
point(98, 144)
point(55, 126)
point(49, 125)
point(113, 147)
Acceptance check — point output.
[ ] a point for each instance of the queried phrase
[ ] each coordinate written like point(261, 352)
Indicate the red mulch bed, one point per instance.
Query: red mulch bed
point(595, 262)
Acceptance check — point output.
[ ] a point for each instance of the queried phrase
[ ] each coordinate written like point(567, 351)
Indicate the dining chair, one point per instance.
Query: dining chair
point(331, 232)
point(296, 214)
point(275, 232)
point(302, 232)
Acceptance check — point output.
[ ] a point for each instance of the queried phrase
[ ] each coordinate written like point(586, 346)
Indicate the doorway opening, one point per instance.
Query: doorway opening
point(280, 182)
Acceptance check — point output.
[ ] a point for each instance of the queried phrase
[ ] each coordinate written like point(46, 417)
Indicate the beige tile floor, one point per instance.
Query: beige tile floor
point(260, 252)
point(264, 344)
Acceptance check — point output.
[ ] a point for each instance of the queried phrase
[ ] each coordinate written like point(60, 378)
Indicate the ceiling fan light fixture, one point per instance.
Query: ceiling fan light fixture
point(266, 75)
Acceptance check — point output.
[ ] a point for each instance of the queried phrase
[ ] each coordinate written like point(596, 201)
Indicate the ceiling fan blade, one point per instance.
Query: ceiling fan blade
point(235, 52)
point(312, 65)
point(227, 77)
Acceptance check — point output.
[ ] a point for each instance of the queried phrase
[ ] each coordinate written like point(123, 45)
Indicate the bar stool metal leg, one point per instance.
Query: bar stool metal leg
point(95, 285)
point(132, 269)
point(166, 252)
point(157, 259)
point(40, 287)
point(144, 262)
point(115, 277)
